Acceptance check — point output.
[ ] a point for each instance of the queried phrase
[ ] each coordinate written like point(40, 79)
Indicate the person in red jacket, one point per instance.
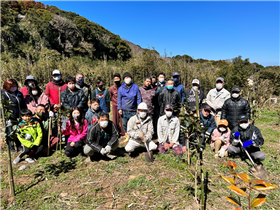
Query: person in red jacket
point(31, 82)
point(52, 88)
point(113, 91)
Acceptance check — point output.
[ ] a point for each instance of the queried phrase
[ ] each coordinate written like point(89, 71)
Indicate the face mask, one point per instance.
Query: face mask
point(168, 113)
point(57, 78)
point(34, 92)
point(13, 89)
point(95, 108)
point(100, 86)
point(127, 81)
point(222, 129)
point(118, 83)
point(170, 87)
point(219, 86)
point(76, 116)
point(235, 95)
point(244, 126)
point(39, 114)
point(176, 80)
point(31, 84)
point(104, 124)
point(142, 114)
point(195, 87)
point(161, 80)
point(81, 80)
point(71, 87)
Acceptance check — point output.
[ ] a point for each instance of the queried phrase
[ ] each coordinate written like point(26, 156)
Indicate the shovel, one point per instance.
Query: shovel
point(149, 154)
point(257, 170)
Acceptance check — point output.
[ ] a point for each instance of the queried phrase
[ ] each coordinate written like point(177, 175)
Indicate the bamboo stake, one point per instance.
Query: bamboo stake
point(59, 114)
point(10, 168)
point(196, 103)
point(49, 136)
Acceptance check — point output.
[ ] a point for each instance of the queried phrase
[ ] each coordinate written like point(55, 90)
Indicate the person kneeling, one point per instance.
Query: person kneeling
point(30, 135)
point(102, 136)
point(251, 137)
point(168, 130)
point(220, 139)
point(140, 130)
point(76, 127)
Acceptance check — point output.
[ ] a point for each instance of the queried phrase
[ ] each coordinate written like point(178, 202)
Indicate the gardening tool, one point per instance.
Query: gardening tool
point(257, 170)
point(149, 154)
point(59, 118)
point(49, 136)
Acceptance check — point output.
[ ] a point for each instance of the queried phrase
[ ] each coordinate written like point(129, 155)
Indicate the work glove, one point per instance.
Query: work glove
point(223, 139)
point(207, 134)
point(141, 136)
point(51, 114)
point(221, 152)
point(171, 145)
point(255, 145)
point(102, 151)
point(28, 136)
point(108, 149)
point(248, 143)
point(166, 146)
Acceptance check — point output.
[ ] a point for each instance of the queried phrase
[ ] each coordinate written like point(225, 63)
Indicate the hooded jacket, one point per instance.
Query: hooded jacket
point(148, 96)
point(92, 116)
point(169, 97)
point(233, 109)
point(77, 134)
point(76, 98)
point(217, 134)
point(129, 97)
point(168, 129)
point(52, 90)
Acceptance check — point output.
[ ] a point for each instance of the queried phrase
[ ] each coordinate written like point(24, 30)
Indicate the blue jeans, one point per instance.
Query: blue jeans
point(125, 117)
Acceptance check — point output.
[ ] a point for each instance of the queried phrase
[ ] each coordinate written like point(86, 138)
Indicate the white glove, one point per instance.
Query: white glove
point(221, 152)
point(102, 151)
point(254, 145)
point(8, 123)
point(108, 149)
point(27, 136)
point(51, 114)
point(223, 139)
point(235, 142)
point(207, 134)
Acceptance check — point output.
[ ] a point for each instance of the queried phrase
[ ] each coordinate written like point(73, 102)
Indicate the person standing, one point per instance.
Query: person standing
point(102, 94)
point(80, 84)
point(154, 82)
point(178, 86)
point(113, 92)
point(216, 98)
point(129, 97)
point(148, 95)
point(235, 107)
point(190, 96)
point(52, 88)
point(30, 82)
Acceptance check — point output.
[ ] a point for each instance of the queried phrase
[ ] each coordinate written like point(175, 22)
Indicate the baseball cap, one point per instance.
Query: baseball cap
point(168, 106)
point(220, 79)
point(175, 74)
point(207, 107)
point(243, 118)
point(195, 81)
point(223, 122)
point(236, 89)
point(56, 72)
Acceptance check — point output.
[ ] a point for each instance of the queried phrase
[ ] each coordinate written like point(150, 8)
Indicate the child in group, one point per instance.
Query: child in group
point(102, 94)
point(76, 127)
point(221, 139)
point(30, 136)
point(92, 112)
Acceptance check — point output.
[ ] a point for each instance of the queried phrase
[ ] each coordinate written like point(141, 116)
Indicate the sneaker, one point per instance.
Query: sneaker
point(29, 160)
point(216, 156)
point(16, 161)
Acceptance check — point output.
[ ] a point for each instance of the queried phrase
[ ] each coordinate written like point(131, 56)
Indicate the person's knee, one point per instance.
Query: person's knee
point(129, 148)
point(260, 156)
point(218, 142)
point(152, 146)
point(231, 150)
point(88, 151)
point(67, 153)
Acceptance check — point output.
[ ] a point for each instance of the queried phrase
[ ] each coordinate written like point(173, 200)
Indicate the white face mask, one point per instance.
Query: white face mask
point(195, 87)
point(71, 87)
point(95, 108)
point(168, 113)
point(57, 78)
point(219, 86)
point(76, 116)
point(161, 80)
point(235, 95)
point(142, 114)
point(244, 125)
point(104, 124)
point(127, 81)
point(34, 92)
point(222, 129)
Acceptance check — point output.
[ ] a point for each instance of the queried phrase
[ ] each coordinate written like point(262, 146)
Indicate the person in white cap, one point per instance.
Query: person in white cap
point(216, 98)
point(140, 129)
point(190, 96)
point(52, 88)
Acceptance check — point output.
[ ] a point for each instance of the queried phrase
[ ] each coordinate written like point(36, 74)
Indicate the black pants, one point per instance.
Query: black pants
point(75, 150)
point(35, 151)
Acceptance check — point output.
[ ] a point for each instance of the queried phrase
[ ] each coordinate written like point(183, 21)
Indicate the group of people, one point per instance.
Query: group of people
point(140, 115)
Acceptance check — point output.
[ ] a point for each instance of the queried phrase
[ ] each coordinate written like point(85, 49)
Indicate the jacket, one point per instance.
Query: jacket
point(104, 98)
point(216, 99)
point(34, 129)
point(113, 92)
point(217, 134)
point(135, 126)
point(168, 129)
point(129, 97)
point(148, 96)
point(94, 135)
point(92, 116)
point(86, 89)
point(16, 103)
point(169, 97)
point(190, 98)
point(52, 91)
point(32, 105)
point(159, 89)
point(71, 99)
point(251, 133)
point(233, 108)
point(77, 134)
point(181, 90)
point(24, 91)
point(208, 122)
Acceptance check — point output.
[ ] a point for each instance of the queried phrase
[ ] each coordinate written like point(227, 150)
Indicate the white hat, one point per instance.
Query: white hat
point(56, 72)
point(142, 106)
point(195, 81)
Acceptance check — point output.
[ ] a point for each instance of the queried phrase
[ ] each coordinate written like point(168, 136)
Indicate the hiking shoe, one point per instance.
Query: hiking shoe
point(216, 156)
point(16, 161)
point(29, 160)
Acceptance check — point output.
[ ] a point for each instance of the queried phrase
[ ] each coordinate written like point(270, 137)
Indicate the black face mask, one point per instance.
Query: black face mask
point(118, 83)
point(100, 86)
point(153, 83)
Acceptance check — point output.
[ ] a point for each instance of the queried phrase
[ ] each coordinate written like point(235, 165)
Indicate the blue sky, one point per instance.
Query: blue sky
point(208, 30)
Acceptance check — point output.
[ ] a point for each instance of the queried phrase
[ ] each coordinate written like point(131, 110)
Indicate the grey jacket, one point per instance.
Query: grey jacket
point(135, 126)
point(168, 128)
point(86, 89)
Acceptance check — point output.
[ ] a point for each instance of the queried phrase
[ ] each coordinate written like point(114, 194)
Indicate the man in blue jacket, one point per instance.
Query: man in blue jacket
point(129, 97)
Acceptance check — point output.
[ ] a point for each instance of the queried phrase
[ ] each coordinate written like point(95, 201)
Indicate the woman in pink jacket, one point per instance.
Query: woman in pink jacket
point(220, 139)
point(34, 97)
point(76, 127)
